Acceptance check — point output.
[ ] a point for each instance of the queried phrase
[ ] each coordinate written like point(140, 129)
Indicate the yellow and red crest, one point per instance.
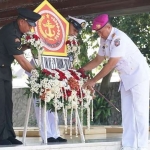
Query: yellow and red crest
point(52, 28)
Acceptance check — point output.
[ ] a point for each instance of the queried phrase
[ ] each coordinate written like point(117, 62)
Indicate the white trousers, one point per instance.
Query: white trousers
point(52, 131)
point(135, 116)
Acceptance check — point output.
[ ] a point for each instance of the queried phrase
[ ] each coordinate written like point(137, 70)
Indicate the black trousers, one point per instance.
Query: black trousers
point(6, 110)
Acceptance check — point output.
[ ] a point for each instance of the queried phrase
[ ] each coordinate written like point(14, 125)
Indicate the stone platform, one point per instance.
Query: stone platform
point(77, 146)
point(94, 130)
point(97, 138)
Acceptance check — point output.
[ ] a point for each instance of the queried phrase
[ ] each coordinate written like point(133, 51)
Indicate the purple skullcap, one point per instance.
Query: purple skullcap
point(100, 21)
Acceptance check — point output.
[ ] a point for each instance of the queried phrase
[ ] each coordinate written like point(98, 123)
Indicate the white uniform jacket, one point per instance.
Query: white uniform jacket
point(132, 66)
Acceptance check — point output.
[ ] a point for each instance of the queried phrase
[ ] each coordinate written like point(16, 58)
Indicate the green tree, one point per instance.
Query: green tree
point(86, 39)
point(136, 26)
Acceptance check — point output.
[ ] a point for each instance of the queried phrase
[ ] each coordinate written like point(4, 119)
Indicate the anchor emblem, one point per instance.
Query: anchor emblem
point(50, 32)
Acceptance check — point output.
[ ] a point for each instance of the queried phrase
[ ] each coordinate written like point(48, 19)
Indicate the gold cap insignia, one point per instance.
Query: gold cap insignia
point(98, 26)
point(17, 40)
point(83, 24)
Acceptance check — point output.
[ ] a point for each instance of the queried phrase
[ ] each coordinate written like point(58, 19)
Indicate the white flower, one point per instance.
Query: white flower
point(49, 96)
point(33, 40)
point(74, 104)
point(55, 90)
point(62, 84)
point(73, 47)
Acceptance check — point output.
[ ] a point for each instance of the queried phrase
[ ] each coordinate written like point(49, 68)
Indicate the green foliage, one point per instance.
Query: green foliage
point(101, 110)
point(137, 27)
point(87, 40)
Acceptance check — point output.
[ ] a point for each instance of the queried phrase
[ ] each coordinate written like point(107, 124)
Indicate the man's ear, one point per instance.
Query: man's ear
point(20, 22)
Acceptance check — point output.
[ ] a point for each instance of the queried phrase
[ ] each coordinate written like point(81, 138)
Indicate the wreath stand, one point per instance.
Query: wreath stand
point(45, 126)
point(45, 130)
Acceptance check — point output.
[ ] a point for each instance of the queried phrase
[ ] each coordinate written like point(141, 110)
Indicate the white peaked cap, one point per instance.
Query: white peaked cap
point(77, 20)
point(81, 23)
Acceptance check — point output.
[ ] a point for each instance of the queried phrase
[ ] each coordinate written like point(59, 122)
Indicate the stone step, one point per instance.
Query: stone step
point(34, 131)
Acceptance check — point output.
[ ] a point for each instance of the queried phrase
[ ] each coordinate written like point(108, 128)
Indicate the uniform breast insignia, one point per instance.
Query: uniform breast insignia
point(117, 42)
point(103, 47)
point(113, 35)
point(17, 40)
point(104, 51)
point(19, 48)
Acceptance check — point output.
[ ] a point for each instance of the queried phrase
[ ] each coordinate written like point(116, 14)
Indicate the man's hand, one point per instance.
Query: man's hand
point(25, 64)
point(25, 47)
point(89, 84)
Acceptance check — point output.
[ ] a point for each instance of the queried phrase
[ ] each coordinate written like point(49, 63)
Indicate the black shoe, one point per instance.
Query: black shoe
point(14, 141)
point(5, 142)
point(51, 139)
point(60, 139)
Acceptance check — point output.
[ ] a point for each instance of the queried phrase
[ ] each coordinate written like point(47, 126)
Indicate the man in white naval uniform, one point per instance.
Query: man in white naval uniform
point(53, 134)
point(124, 56)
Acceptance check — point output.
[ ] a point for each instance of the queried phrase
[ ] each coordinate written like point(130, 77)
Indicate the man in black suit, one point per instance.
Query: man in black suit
point(10, 49)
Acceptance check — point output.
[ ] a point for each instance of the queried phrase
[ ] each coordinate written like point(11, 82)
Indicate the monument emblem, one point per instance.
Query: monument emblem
point(52, 29)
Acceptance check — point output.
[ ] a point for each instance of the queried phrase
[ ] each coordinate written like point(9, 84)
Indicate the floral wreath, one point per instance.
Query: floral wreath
point(34, 42)
point(73, 49)
point(59, 89)
point(62, 90)
point(64, 85)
